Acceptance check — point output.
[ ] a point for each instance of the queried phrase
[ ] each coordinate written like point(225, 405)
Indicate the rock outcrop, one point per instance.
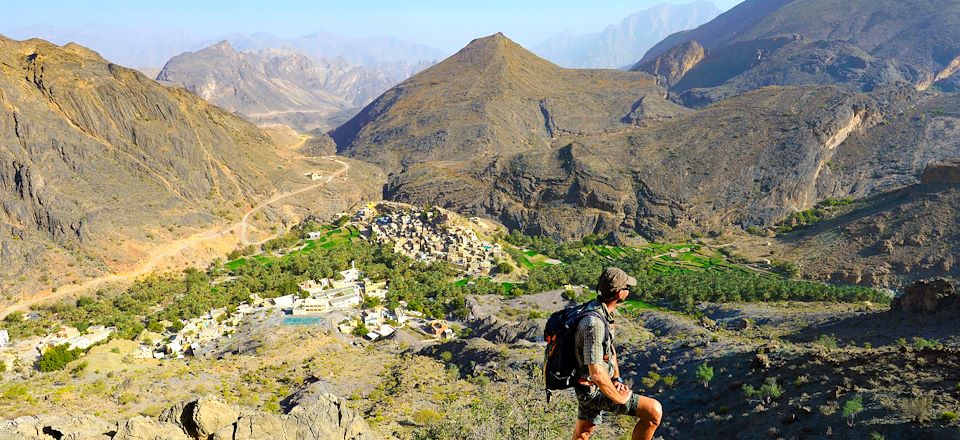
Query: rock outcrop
point(943, 172)
point(675, 63)
point(928, 297)
point(324, 418)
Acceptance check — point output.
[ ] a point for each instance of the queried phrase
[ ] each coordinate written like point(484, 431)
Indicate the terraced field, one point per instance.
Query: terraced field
point(333, 237)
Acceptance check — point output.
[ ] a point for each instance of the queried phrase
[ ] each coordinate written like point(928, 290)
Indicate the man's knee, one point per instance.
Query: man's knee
point(650, 410)
point(583, 430)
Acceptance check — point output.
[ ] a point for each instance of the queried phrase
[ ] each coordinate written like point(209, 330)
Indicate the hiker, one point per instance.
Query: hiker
point(599, 388)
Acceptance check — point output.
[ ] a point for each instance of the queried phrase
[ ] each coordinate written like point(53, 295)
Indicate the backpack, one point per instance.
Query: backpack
point(560, 367)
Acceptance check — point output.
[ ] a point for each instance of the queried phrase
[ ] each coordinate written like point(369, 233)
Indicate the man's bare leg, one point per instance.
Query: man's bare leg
point(583, 430)
point(649, 411)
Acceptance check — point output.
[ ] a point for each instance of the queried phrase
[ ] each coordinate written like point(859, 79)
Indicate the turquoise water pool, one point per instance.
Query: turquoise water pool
point(301, 320)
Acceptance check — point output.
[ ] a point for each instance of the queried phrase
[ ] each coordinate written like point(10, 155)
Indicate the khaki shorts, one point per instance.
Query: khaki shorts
point(593, 404)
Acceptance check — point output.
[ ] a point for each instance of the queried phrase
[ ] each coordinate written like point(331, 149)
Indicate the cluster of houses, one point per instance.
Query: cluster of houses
point(428, 236)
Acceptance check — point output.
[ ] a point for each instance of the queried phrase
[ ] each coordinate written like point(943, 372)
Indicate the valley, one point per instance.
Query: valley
point(358, 237)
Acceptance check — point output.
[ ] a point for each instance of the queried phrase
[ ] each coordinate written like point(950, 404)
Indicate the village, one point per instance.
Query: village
point(424, 235)
point(429, 235)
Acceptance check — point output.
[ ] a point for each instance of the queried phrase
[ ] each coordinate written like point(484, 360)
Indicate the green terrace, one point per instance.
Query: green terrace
point(332, 237)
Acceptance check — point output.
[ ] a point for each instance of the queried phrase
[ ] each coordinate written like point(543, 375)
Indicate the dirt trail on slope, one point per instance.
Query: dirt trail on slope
point(160, 253)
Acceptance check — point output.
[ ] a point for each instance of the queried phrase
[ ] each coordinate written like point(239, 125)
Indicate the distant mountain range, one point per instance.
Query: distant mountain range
point(283, 85)
point(624, 43)
point(355, 50)
point(151, 48)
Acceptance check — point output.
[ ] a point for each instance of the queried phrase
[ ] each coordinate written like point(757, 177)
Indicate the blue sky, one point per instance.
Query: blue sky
point(447, 25)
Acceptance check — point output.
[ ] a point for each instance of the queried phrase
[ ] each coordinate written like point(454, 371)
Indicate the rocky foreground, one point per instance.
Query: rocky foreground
point(205, 418)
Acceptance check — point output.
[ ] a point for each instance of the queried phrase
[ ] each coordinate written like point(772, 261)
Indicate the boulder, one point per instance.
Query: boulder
point(143, 428)
point(934, 296)
point(64, 427)
point(210, 415)
point(942, 172)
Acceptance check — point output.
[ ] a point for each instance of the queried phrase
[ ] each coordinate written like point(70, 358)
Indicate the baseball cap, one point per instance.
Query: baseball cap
point(613, 280)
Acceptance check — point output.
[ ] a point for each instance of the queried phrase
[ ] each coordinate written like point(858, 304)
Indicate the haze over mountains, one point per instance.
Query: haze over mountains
point(142, 48)
point(623, 43)
point(283, 86)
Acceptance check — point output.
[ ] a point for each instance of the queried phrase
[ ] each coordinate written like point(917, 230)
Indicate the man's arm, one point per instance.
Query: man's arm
point(600, 377)
point(616, 364)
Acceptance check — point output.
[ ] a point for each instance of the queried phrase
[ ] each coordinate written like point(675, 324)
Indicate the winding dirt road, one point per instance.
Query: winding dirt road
point(158, 254)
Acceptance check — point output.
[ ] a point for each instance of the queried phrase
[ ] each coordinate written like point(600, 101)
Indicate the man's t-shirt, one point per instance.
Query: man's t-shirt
point(591, 348)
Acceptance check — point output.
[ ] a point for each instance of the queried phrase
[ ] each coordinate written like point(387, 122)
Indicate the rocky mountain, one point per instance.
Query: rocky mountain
point(498, 132)
point(495, 98)
point(280, 86)
point(746, 161)
point(892, 238)
point(857, 44)
point(97, 159)
point(624, 43)
point(356, 50)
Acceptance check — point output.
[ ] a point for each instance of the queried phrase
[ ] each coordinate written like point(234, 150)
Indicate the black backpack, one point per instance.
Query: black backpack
point(560, 367)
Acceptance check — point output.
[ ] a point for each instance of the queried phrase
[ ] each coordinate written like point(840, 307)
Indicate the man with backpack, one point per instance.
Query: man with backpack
point(584, 331)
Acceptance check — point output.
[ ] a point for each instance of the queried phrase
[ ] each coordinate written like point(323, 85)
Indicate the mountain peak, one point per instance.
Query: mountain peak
point(222, 45)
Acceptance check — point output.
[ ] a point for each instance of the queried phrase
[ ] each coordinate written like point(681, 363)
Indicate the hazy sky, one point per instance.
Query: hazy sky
point(445, 24)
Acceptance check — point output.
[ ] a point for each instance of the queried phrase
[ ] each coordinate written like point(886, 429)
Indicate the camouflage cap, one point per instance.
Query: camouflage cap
point(613, 280)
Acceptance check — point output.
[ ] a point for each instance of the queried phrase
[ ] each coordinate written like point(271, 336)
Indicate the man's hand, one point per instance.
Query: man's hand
point(618, 393)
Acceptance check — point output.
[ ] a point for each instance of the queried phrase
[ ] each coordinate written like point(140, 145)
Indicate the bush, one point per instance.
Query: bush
point(852, 408)
point(425, 417)
point(669, 381)
point(705, 374)
point(827, 341)
point(767, 393)
point(57, 357)
point(919, 409)
point(949, 416)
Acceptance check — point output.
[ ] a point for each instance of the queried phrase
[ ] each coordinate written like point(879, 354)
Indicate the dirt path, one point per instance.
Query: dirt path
point(160, 253)
point(245, 222)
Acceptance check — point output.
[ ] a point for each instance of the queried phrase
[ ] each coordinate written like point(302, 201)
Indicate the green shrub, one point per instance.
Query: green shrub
point(827, 341)
point(767, 393)
point(57, 357)
point(949, 416)
point(669, 381)
point(426, 417)
point(852, 408)
point(704, 374)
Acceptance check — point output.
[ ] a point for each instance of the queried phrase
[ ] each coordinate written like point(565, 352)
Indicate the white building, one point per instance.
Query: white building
point(284, 302)
point(4, 338)
point(309, 306)
point(385, 330)
point(315, 235)
point(351, 275)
